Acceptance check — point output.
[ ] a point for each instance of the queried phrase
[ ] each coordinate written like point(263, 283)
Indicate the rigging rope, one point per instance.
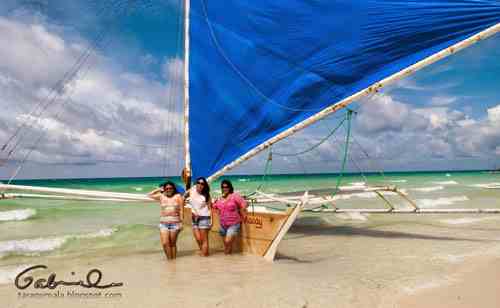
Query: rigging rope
point(246, 80)
point(345, 122)
point(346, 149)
point(315, 145)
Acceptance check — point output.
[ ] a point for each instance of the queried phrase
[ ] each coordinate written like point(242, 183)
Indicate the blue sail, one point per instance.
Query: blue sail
point(258, 67)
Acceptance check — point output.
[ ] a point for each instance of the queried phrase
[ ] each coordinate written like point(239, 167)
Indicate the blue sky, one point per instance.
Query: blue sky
point(109, 119)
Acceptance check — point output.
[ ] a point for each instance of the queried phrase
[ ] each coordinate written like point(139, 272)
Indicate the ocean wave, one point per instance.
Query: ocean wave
point(8, 273)
point(16, 215)
point(357, 183)
point(243, 180)
point(445, 183)
point(364, 195)
point(441, 201)
point(494, 185)
point(397, 181)
point(33, 247)
point(428, 189)
point(138, 188)
point(356, 216)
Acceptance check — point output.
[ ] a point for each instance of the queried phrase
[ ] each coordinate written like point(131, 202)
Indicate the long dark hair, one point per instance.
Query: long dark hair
point(228, 183)
point(206, 189)
point(169, 183)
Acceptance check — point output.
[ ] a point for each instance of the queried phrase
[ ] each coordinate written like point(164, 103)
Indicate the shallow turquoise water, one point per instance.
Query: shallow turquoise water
point(31, 228)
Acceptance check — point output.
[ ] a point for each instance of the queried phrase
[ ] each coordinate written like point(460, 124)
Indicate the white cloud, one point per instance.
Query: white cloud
point(494, 115)
point(381, 113)
point(110, 111)
point(443, 100)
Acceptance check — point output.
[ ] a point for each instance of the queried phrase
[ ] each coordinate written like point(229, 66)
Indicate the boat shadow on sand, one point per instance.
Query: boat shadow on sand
point(315, 226)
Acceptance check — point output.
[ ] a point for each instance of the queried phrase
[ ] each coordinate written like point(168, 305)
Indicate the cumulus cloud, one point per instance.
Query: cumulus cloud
point(419, 132)
point(104, 113)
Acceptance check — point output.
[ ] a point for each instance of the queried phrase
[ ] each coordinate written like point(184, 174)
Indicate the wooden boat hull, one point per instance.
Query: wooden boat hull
point(258, 231)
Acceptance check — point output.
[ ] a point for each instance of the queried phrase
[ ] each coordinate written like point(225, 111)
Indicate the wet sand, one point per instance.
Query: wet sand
point(394, 262)
point(475, 284)
point(149, 279)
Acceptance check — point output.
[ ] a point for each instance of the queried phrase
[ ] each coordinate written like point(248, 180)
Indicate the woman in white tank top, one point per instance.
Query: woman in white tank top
point(199, 200)
point(171, 214)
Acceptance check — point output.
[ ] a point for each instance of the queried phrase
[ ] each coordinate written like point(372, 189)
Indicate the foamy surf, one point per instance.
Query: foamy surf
point(429, 203)
point(16, 215)
point(365, 195)
point(446, 183)
point(31, 247)
point(397, 181)
point(494, 185)
point(8, 273)
point(428, 189)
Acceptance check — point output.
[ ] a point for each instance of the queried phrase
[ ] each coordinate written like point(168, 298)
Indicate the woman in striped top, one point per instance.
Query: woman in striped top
point(171, 215)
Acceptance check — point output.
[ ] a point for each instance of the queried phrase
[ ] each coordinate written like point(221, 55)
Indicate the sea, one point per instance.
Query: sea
point(324, 250)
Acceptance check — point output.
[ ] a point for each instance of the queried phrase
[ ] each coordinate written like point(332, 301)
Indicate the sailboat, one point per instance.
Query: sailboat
point(257, 72)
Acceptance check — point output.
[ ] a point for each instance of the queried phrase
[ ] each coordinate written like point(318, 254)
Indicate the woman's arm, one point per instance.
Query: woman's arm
point(242, 205)
point(210, 209)
point(155, 194)
point(180, 203)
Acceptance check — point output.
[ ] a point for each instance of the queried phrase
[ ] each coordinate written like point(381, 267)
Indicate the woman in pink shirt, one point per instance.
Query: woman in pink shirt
point(231, 208)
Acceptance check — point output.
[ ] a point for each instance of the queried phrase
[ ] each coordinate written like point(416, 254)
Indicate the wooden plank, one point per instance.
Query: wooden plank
point(271, 252)
point(410, 211)
point(76, 192)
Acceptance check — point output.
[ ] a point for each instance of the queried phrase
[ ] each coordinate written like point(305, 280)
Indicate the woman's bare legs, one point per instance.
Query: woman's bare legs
point(165, 242)
point(201, 236)
point(173, 243)
point(197, 237)
point(228, 244)
point(204, 242)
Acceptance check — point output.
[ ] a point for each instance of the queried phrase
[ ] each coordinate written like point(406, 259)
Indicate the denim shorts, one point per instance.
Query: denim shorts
point(231, 230)
point(201, 222)
point(165, 226)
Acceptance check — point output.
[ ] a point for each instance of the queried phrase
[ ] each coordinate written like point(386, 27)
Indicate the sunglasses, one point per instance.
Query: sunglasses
point(225, 186)
point(201, 183)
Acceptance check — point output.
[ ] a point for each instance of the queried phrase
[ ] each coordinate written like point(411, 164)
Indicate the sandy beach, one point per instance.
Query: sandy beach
point(474, 284)
point(336, 273)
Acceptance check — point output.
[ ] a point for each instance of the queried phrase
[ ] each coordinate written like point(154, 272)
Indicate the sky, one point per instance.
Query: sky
point(94, 89)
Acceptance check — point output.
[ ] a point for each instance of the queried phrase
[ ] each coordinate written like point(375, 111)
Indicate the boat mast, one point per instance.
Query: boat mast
point(187, 157)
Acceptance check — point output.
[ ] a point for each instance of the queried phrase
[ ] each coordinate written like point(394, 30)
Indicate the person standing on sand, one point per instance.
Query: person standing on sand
point(171, 215)
point(199, 200)
point(232, 209)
